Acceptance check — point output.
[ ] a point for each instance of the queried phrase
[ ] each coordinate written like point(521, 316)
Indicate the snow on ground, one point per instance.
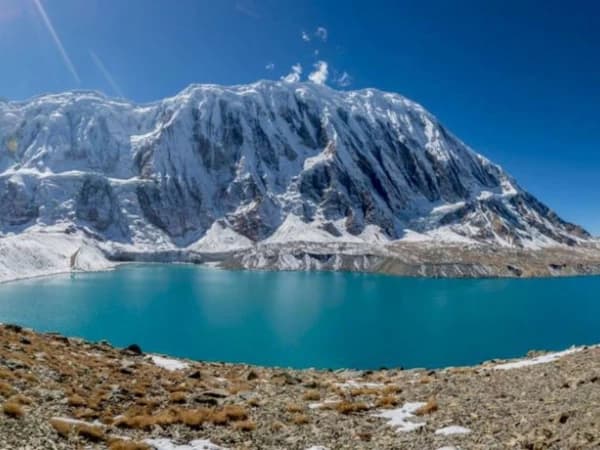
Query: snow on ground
point(168, 363)
point(353, 384)
point(293, 229)
point(167, 444)
point(323, 404)
point(220, 238)
point(34, 254)
point(443, 235)
point(71, 421)
point(400, 418)
point(452, 429)
point(548, 357)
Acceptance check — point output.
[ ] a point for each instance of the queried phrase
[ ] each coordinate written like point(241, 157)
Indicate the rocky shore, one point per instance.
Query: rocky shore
point(65, 393)
point(49, 252)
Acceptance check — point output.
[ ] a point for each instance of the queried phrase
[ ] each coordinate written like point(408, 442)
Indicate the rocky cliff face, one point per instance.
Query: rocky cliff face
point(222, 167)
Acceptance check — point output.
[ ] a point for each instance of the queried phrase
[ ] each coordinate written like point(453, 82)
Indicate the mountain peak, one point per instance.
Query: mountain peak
point(267, 160)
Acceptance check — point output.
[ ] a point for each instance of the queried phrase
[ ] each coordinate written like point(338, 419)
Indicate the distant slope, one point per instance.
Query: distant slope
point(220, 168)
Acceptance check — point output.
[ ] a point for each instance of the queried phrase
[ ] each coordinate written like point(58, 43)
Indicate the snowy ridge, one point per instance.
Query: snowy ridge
point(38, 254)
point(217, 169)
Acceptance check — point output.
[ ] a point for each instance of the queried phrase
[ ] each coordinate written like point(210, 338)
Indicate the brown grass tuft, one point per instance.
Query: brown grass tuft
point(146, 421)
point(294, 408)
point(65, 428)
point(6, 390)
point(91, 432)
point(387, 401)
point(312, 395)
point(76, 400)
point(430, 407)
point(13, 409)
point(277, 426)
point(20, 399)
point(245, 426)
point(300, 419)
point(229, 413)
point(239, 387)
point(28, 376)
point(178, 397)
point(219, 418)
point(6, 374)
point(364, 391)
point(62, 427)
point(350, 407)
point(391, 389)
point(235, 412)
point(122, 444)
point(194, 418)
point(426, 379)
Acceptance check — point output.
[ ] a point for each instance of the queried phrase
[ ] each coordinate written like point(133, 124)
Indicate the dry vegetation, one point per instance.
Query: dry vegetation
point(430, 407)
point(121, 398)
point(13, 409)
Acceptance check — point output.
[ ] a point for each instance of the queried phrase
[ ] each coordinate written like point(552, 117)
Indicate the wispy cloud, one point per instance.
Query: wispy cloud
point(247, 8)
point(107, 75)
point(321, 33)
point(294, 75)
point(270, 66)
point(57, 41)
point(319, 76)
point(344, 80)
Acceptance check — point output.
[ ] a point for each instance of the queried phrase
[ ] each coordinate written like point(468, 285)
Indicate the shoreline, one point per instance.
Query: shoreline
point(65, 393)
point(51, 252)
point(459, 270)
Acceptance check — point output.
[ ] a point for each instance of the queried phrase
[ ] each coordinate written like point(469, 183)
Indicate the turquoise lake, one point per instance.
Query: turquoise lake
point(299, 319)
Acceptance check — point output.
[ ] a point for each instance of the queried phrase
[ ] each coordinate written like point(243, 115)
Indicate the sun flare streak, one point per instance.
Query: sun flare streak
point(57, 41)
point(107, 75)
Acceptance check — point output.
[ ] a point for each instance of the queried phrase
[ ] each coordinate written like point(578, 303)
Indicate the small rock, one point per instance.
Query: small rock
point(205, 400)
point(13, 327)
point(134, 348)
point(216, 393)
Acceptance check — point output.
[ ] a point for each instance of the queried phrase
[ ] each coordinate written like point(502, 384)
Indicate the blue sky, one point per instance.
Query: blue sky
point(519, 81)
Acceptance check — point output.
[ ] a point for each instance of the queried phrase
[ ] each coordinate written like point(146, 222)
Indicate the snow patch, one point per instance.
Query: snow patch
point(400, 418)
point(547, 358)
point(220, 238)
point(35, 254)
point(353, 384)
point(72, 421)
point(293, 229)
point(168, 363)
point(323, 404)
point(168, 444)
point(452, 429)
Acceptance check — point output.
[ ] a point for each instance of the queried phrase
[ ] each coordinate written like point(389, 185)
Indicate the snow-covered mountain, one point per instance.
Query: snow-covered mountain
point(217, 168)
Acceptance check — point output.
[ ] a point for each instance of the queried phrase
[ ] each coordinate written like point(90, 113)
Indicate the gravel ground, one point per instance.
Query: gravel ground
point(123, 398)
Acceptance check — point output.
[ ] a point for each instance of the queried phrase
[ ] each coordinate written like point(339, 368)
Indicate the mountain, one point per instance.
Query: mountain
point(219, 168)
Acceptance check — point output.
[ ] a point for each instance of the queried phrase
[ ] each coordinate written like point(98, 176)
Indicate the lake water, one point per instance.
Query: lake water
point(298, 319)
